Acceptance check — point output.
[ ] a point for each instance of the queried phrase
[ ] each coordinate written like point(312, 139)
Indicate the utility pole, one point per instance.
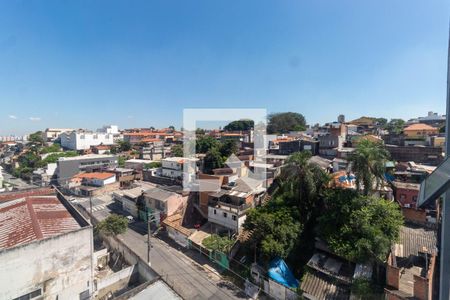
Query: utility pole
point(149, 246)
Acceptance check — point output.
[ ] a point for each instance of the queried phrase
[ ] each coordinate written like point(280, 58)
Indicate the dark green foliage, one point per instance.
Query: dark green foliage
point(381, 121)
point(51, 149)
point(36, 138)
point(240, 125)
point(152, 165)
point(52, 158)
point(359, 228)
point(285, 122)
point(124, 146)
point(275, 231)
point(112, 225)
point(177, 150)
point(227, 148)
point(395, 126)
point(369, 164)
point(205, 143)
point(218, 243)
point(121, 161)
point(213, 160)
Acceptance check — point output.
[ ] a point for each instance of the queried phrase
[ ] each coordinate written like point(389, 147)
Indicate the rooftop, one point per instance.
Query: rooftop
point(414, 240)
point(159, 194)
point(87, 156)
point(95, 175)
point(406, 185)
point(419, 126)
point(321, 286)
point(33, 218)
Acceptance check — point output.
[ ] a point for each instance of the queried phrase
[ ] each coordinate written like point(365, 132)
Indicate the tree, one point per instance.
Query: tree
point(274, 232)
point(199, 131)
point(302, 184)
point(285, 122)
point(52, 148)
point(368, 162)
point(172, 128)
point(121, 161)
point(36, 138)
point(177, 150)
point(359, 228)
point(124, 146)
point(218, 243)
point(395, 126)
point(240, 125)
point(112, 225)
point(205, 143)
point(213, 160)
point(381, 121)
point(227, 148)
point(152, 165)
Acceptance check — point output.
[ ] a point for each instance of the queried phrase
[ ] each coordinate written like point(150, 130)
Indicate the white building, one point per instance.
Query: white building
point(83, 140)
point(173, 167)
point(51, 134)
point(45, 250)
point(228, 215)
point(111, 129)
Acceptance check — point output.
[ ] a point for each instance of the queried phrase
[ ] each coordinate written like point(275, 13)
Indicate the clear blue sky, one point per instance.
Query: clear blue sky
point(139, 63)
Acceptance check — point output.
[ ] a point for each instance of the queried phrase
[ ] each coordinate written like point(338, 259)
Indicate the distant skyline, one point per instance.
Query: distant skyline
point(80, 64)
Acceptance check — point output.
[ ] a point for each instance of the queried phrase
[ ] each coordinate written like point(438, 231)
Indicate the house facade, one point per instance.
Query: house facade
point(84, 140)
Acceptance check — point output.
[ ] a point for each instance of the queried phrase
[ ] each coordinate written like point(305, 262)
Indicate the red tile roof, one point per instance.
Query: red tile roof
point(22, 194)
point(33, 218)
point(95, 175)
point(420, 126)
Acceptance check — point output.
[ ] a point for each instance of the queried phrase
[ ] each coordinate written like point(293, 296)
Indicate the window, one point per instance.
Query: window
point(225, 214)
point(402, 196)
point(84, 295)
point(414, 198)
point(31, 295)
point(215, 212)
point(233, 217)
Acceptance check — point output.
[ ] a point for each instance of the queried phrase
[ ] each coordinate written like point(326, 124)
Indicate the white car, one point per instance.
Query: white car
point(130, 218)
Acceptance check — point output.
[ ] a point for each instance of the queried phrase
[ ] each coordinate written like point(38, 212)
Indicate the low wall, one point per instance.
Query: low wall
point(123, 277)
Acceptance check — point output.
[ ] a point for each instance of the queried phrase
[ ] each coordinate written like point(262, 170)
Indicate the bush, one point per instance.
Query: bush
point(112, 225)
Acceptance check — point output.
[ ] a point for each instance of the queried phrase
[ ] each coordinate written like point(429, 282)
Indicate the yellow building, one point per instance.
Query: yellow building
point(420, 130)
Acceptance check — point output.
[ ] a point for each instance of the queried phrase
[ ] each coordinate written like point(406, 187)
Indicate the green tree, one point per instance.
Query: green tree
point(213, 160)
point(36, 138)
point(274, 232)
point(381, 121)
point(227, 148)
point(172, 128)
point(124, 146)
point(112, 225)
point(240, 125)
point(177, 150)
point(199, 131)
point(359, 228)
point(285, 122)
point(368, 162)
point(53, 157)
point(121, 161)
point(218, 243)
point(302, 184)
point(205, 144)
point(52, 148)
point(395, 126)
point(152, 165)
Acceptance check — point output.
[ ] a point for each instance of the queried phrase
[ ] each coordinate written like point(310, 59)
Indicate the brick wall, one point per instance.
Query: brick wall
point(420, 288)
point(391, 296)
point(406, 196)
point(415, 215)
point(392, 277)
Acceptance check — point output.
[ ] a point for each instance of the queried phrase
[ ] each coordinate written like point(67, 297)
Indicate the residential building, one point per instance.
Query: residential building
point(43, 176)
point(161, 201)
point(411, 265)
point(432, 118)
point(137, 164)
point(97, 179)
point(419, 154)
point(110, 129)
point(289, 147)
point(67, 167)
point(101, 149)
point(51, 134)
point(406, 193)
point(83, 140)
point(45, 249)
point(364, 124)
point(173, 167)
point(420, 131)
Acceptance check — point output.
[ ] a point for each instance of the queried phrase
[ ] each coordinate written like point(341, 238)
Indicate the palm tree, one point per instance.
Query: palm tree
point(368, 162)
point(302, 182)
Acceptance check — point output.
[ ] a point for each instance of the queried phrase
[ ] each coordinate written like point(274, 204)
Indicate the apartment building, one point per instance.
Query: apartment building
point(84, 140)
point(51, 134)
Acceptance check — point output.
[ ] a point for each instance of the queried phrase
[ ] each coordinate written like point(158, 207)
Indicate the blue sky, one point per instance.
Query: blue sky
point(139, 63)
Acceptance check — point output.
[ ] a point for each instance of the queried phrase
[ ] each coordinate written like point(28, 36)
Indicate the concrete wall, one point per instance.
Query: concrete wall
point(227, 221)
point(178, 237)
point(60, 265)
point(84, 140)
point(123, 276)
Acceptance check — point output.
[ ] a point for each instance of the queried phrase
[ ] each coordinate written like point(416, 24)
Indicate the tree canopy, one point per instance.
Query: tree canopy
point(395, 126)
point(205, 143)
point(218, 243)
point(368, 162)
point(112, 225)
point(36, 138)
point(359, 228)
point(240, 125)
point(213, 160)
point(285, 122)
point(124, 146)
point(177, 150)
point(227, 148)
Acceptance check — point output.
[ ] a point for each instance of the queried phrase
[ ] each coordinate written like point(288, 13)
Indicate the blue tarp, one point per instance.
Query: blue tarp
point(279, 272)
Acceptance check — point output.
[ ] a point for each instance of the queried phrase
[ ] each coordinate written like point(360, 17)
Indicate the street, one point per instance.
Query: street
point(191, 280)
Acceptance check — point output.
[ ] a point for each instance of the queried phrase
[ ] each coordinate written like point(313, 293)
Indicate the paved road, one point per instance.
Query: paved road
point(188, 278)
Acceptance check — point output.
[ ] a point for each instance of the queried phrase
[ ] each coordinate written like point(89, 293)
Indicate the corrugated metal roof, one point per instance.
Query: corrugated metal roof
point(159, 194)
point(320, 286)
point(33, 218)
point(415, 240)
